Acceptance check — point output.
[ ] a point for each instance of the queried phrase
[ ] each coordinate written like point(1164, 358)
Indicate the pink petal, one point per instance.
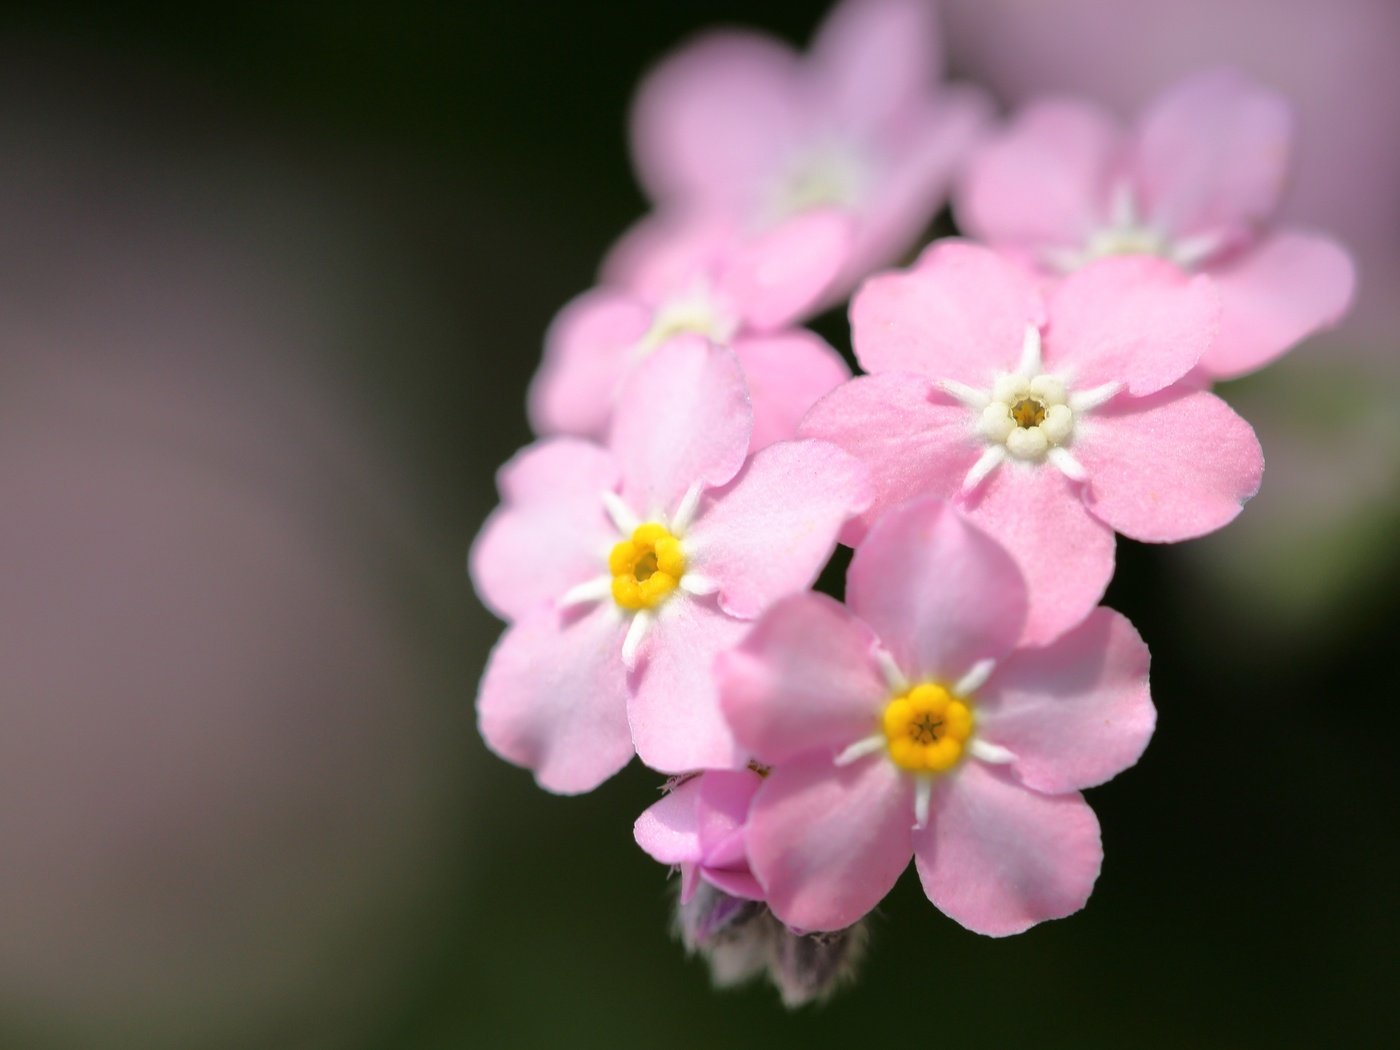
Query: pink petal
point(711, 120)
point(804, 679)
point(682, 418)
point(921, 157)
point(723, 809)
point(915, 441)
point(1076, 712)
point(669, 829)
point(777, 277)
point(827, 843)
point(668, 252)
point(1135, 320)
point(554, 699)
point(1045, 182)
point(1212, 154)
point(548, 532)
point(1064, 553)
point(1170, 467)
point(873, 58)
point(588, 351)
point(999, 858)
point(940, 594)
point(674, 708)
point(960, 314)
point(787, 374)
point(769, 532)
point(1276, 295)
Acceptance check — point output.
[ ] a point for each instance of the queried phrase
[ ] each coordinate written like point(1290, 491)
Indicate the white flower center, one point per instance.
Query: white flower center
point(1126, 231)
point(697, 310)
point(832, 174)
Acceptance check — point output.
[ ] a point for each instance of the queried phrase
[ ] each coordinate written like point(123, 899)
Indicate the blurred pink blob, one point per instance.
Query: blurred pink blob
point(1333, 59)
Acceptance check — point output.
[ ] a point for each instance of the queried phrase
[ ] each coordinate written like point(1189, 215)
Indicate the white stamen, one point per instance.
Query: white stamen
point(1027, 442)
point(1069, 466)
point(694, 583)
point(1122, 209)
point(680, 521)
point(1030, 353)
point(1065, 260)
point(923, 795)
point(894, 677)
point(975, 678)
point(1050, 389)
point(620, 513)
point(1190, 251)
point(1058, 423)
point(636, 631)
point(995, 423)
point(583, 593)
point(1086, 400)
point(859, 750)
point(988, 462)
point(992, 754)
point(1008, 388)
point(969, 396)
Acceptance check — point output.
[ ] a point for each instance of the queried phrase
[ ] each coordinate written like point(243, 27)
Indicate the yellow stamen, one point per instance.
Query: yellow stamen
point(646, 568)
point(927, 728)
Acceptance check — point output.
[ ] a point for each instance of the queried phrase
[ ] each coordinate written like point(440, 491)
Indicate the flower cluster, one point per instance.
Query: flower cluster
point(1025, 397)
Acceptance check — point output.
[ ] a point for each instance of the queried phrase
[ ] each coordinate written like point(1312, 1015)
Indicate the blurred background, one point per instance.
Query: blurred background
point(272, 281)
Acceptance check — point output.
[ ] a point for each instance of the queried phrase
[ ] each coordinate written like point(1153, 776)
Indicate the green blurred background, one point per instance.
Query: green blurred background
point(273, 280)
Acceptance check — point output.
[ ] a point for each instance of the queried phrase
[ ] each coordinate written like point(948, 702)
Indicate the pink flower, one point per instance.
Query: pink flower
point(626, 569)
point(737, 122)
point(698, 826)
point(698, 277)
point(909, 724)
point(1053, 423)
point(1197, 181)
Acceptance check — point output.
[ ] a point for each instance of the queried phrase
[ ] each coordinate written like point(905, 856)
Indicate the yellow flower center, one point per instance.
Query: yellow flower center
point(646, 568)
point(1028, 412)
point(927, 728)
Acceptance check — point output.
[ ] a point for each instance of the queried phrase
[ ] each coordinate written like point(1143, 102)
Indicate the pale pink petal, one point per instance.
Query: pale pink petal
point(1276, 295)
point(999, 858)
point(554, 699)
point(669, 829)
point(1063, 551)
point(828, 843)
point(960, 314)
point(674, 708)
point(1166, 468)
point(787, 374)
point(776, 277)
point(872, 58)
point(921, 158)
point(737, 882)
point(769, 532)
point(804, 679)
point(1212, 154)
point(1134, 320)
point(683, 418)
point(669, 252)
point(914, 440)
point(589, 349)
point(550, 532)
point(941, 594)
point(711, 120)
point(1045, 182)
point(1076, 712)
point(723, 809)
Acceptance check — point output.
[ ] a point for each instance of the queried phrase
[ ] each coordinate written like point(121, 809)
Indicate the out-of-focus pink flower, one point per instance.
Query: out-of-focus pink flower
point(700, 276)
point(910, 724)
point(1197, 181)
point(698, 826)
point(627, 569)
point(740, 123)
point(1053, 423)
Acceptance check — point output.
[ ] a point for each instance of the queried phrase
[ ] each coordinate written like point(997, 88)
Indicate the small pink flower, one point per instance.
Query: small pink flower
point(1052, 423)
point(698, 827)
point(910, 724)
point(626, 569)
point(737, 122)
point(699, 277)
point(1197, 181)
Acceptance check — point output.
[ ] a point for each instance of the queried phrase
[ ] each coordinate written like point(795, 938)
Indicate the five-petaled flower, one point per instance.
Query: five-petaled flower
point(1053, 422)
point(910, 723)
point(1197, 181)
point(626, 569)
